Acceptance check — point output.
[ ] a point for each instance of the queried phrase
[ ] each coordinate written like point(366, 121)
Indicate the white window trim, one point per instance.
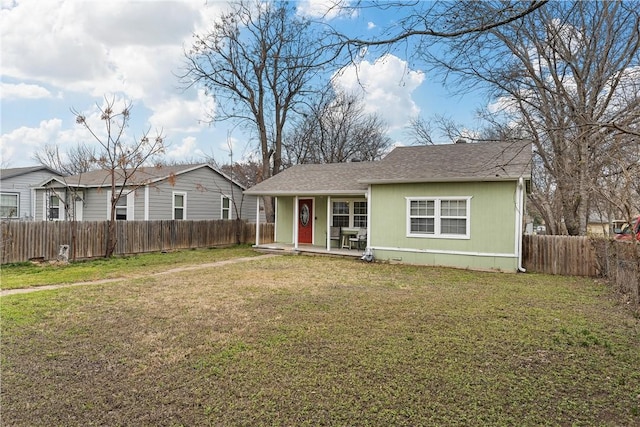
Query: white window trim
point(184, 204)
point(351, 210)
point(437, 234)
point(131, 197)
point(230, 208)
point(17, 196)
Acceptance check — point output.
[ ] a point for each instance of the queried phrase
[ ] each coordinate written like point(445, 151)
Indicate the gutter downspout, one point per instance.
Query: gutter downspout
point(295, 224)
point(519, 219)
point(328, 226)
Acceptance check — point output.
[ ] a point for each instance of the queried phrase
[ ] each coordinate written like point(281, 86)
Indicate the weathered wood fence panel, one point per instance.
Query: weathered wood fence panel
point(563, 255)
point(26, 240)
point(618, 262)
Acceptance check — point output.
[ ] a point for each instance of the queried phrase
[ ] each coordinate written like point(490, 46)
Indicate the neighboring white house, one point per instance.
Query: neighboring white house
point(17, 195)
point(184, 192)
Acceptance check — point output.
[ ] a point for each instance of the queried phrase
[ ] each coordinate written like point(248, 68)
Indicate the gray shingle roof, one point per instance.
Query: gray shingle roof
point(11, 172)
point(493, 161)
point(144, 175)
point(313, 179)
point(487, 161)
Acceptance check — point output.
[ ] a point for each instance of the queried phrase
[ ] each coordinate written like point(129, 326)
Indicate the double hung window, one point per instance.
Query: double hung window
point(360, 214)
point(341, 214)
point(179, 205)
point(226, 208)
point(124, 208)
point(121, 208)
point(438, 217)
point(53, 206)
point(349, 213)
point(8, 205)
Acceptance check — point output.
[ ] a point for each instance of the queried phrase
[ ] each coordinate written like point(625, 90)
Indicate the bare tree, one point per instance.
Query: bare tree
point(246, 172)
point(566, 74)
point(420, 131)
point(617, 190)
point(76, 160)
point(336, 128)
point(120, 156)
point(421, 24)
point(258, 61)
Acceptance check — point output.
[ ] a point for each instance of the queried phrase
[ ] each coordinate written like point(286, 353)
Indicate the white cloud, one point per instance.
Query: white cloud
point(387, 86)
point(326, 9)
point(83, 50)
point(187, 149)
point(177, 114)
point(370, 25)
point(26, 140)
point(503, 105)
point(23, 91)
point(99, 47)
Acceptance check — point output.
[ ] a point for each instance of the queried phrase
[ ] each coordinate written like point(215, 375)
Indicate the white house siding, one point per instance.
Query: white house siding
point(22, 185)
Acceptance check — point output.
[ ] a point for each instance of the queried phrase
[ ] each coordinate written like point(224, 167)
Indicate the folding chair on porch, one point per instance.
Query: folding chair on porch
point(359, 240)
point(334, 234)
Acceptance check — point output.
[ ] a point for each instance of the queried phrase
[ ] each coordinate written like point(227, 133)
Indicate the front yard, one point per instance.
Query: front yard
point(321, 341)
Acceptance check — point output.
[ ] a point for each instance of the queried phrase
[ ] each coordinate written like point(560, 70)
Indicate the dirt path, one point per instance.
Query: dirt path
point(119, 279)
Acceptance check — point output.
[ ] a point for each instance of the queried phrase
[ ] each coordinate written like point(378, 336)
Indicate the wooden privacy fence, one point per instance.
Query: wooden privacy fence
point(27, 240)
point(564, 255)
point(618, 262)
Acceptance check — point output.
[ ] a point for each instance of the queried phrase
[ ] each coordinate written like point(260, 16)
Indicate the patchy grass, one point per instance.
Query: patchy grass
point(321, 341)
point(26, 275)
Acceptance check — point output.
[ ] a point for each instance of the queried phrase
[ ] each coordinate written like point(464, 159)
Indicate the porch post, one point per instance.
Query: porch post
point(328, 223)
point(295, 223)
point(258, 221)
point(368, 197)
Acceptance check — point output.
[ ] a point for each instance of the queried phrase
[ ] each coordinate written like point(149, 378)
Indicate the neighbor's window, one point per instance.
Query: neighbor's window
point(8, 205)
point(435, 217)
point(179, 205)
point(226, 207)
point(54, 207)
point(124, 208)
point(121, 208)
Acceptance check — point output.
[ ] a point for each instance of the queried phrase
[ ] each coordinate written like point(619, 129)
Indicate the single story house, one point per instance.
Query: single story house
point(459, 205)
point(17, 196)
point(183, 192)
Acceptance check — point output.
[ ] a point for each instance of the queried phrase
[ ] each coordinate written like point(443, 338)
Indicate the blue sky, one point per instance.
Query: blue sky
point(63, 54)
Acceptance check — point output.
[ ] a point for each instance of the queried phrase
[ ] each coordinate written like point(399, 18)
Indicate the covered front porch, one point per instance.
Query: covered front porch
point(290, 249)
point(334, 224)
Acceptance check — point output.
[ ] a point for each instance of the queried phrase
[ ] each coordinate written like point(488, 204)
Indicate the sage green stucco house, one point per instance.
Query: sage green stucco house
point(459, 205)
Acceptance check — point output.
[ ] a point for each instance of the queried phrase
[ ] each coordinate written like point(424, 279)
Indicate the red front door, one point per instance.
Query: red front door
point(305, 221)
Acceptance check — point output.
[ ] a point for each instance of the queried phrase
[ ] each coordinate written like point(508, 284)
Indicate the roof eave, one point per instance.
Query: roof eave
point(306, 193)
point(442, 180)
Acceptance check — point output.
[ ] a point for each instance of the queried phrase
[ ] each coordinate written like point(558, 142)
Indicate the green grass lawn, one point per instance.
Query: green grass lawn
point(321, 341)
point(27, 274)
